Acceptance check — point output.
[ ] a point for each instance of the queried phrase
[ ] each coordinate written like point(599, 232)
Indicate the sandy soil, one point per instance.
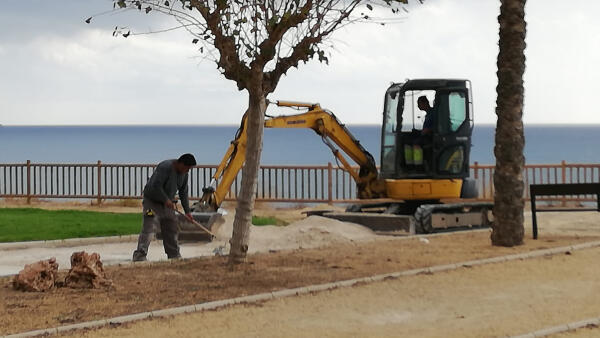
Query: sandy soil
point(345, 251)
point(201, 280)
point(486, 301)
point(589, 332)
point(581, 223)
point(309, 232)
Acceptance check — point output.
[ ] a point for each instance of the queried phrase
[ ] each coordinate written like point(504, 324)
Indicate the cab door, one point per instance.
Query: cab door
point(452, 136)
point(389, 134)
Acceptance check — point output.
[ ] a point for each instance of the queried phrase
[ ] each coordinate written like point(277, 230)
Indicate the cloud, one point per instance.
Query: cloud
point(62, 71)
point(91, 78)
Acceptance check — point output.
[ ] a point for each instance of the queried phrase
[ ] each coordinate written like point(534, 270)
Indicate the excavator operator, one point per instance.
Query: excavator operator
point(419, 148)
point(423, 104)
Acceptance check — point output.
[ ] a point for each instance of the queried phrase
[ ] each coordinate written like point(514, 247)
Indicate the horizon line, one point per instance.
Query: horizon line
point(235, 125)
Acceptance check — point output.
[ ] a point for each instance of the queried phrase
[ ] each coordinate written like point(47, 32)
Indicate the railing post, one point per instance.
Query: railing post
point(99, 166)
point(28, 181)
point(563, 164)
point(476, 177)
point(329, 183)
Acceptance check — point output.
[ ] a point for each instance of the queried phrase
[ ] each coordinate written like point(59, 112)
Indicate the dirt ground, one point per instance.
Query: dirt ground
point(496, 300)
point(588, 332)
point(206, 279)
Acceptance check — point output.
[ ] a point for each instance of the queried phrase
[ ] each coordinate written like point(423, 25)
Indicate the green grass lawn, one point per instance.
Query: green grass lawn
point(31, 224)
point(28, 224)
point(269, 220)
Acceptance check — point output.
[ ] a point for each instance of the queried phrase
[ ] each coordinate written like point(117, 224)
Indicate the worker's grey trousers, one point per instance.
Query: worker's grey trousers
point(159, 215)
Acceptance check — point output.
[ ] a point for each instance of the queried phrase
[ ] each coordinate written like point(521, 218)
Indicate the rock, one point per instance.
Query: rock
point(39, 276)
point(86, 272)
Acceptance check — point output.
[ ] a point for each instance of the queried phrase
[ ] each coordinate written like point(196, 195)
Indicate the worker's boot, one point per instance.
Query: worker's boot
point(139, 256)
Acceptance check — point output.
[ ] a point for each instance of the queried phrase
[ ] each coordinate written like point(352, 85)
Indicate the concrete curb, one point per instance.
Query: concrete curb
point(560, 328)
point(61, 243)
point(324, 287)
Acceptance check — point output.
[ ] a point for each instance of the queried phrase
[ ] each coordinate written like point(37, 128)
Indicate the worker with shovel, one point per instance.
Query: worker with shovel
point(169, 177)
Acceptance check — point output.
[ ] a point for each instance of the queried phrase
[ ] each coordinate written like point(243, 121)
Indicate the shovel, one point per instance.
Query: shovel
point(197, 224)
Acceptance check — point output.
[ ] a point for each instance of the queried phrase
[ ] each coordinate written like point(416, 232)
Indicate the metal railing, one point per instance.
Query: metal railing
point(300, 184)
point(541, 174)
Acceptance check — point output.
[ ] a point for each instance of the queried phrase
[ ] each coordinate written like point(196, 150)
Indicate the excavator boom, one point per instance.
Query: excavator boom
point(333, 133)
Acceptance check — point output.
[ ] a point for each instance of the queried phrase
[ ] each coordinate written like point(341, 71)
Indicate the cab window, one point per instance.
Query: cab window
point(412, 117)
point(390, 122)
point(457, 105)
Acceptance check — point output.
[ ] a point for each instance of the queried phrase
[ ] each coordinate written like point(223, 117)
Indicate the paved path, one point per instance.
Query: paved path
point(12, 261)
point(493, 300)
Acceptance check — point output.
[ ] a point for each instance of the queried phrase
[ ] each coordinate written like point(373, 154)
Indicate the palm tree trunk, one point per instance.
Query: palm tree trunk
point(508, 177)
point(245, 204)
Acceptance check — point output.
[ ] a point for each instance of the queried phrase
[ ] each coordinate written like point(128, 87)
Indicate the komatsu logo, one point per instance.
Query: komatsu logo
point(296, 122)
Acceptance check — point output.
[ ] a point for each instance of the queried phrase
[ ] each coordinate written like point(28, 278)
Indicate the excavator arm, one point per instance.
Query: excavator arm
point(326, 125)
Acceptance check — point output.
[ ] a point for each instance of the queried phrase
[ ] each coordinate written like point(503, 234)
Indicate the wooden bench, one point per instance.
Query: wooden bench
point(558, 190)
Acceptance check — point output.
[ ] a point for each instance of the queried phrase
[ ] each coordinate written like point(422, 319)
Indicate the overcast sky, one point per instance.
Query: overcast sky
point(55, 69)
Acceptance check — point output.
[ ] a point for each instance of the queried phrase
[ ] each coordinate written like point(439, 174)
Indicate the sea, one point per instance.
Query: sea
point(151, 144)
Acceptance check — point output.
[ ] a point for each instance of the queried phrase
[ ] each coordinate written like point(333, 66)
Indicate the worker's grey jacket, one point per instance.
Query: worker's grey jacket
point(165, 182)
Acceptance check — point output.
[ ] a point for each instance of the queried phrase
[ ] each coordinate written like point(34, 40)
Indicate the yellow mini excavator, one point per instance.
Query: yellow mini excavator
point(423, 184)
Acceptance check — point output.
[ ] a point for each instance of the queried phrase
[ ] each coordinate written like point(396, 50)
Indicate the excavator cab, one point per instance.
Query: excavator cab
point(442, 152)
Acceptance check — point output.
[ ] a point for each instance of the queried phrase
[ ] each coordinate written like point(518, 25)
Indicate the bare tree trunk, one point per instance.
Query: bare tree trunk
point(508, 177)
point(243, 213)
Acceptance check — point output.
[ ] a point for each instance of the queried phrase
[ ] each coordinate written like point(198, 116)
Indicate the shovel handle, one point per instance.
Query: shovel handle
point(193, 221)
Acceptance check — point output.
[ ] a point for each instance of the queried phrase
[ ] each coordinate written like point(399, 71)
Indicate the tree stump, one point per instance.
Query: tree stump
point(38, 277)
point(86, 272)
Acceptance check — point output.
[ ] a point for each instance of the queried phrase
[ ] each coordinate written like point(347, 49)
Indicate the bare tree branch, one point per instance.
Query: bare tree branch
point(269, 35)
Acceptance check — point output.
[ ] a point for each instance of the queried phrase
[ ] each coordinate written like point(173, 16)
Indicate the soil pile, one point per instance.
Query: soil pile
point(313, 231)
point(86, 272)
point(39, 276)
